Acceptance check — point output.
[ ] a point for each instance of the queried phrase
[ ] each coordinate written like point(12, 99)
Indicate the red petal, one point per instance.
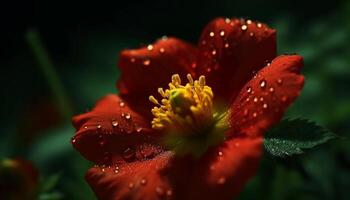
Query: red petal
point(263, 100)
point(111, 128)
point(231, 50)
point(220, 174)
point(135, 181)
point(146, 69)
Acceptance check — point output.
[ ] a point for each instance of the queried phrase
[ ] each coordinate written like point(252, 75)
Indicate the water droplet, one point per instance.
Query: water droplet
point(164, 37)
point(249, 90)
point(121, 104)
point(249, 21)
point(279, 81)
point(116, 171)
point(221, 180)
point(261, 99)
point(127, 116)
point(284, 98)
point(255, 99)
point(265, 105)
point(220, 153)
point(227, 45)
point(150, 47)
point(222, 33)
point(85, 127)
point(99, 126)
point(227, 20)
point(213, 52)
point(132, 60)
point(128, 153)
point(160, 191)
point(131, 185)
point(255, 114)
point(259, 25)
point(169, 192)
point(244, 27)
point(263, 83)
point(143, 181)
point(102, 143)
point(115, 123)
point(161, 50)
point(251, 34)
point(271, 89)
point(103, 169)
point(245, 112)
point(74, 140)
point(211, 34)
point(247, 99)
point(138, 129)
point(147, 62)
point(212, 167)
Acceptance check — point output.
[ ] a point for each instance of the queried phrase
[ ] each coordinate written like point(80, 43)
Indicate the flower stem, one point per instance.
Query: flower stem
point(48, 70)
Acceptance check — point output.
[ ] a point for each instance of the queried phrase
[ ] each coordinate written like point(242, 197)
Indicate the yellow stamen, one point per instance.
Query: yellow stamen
point(187, 107)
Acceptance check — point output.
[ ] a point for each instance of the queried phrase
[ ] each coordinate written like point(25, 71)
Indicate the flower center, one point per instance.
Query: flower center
point(187, 113)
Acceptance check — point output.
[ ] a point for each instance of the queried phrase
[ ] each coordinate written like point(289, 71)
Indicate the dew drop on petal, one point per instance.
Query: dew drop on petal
point(160, 191)
point(85, 127)
point(255, 114)
point(213, 52)
point(147, 62)
point(227, 20)
point(161, 50)
point(143, 181)
point(115, 123)
point(221, 180)
point(263, 83)
point(261, 99)
point(127, 116)
point(131, 185)
point(249, 21)
point(265, 105)
point(227, 45)
point(169, 192)
point(211, 34)
point(271, 89)
point(244, 27)
point(222, 33)
point(279, 81)
point(220, 153)
point(255, 99)
point(284, 98)
point(99, 126)
point(249, 90)
point(245, 112)
point(138, 129)
point(121, 104)
point(150, 47)
point(259, 25)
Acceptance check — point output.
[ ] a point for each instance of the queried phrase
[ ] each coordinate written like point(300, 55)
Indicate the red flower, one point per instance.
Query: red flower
point(207, 153)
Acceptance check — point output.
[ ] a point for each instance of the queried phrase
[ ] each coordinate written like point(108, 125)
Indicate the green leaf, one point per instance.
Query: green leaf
point(50, 182)
point(293, 136)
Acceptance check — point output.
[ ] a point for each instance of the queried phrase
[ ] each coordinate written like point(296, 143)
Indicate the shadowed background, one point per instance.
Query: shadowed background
point(83, 39)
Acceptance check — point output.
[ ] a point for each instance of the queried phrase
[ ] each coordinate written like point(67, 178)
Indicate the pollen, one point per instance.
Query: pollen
point(186, 107)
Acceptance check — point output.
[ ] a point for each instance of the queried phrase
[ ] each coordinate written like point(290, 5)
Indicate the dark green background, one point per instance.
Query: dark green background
point(83, 40)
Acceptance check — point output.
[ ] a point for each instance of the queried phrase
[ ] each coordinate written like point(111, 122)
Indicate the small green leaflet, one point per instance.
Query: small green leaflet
point(290, 137)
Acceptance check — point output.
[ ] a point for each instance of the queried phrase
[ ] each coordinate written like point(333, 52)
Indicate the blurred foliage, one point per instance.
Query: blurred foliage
point(84, 47)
